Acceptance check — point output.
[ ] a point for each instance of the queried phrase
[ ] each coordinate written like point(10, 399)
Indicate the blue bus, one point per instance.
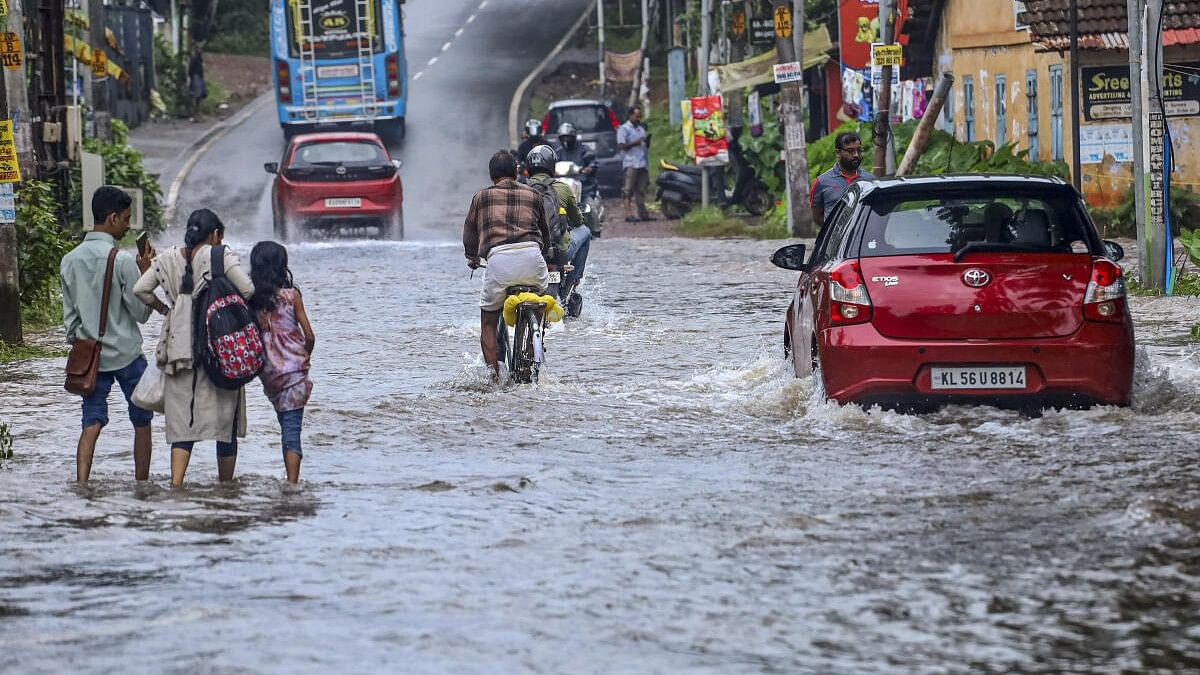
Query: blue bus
point(339, 63)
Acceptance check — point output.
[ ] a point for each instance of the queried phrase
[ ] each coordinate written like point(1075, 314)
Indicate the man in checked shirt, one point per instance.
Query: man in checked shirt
point(506, 225)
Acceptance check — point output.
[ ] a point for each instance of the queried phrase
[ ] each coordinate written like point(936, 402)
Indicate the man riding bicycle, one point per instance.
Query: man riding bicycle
point(541, 161)
point(507, 226)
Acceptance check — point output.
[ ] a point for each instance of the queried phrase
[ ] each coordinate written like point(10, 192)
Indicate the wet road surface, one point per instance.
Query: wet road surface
point(669, 499)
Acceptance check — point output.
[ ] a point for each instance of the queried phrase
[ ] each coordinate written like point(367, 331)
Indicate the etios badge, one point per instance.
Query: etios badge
point(976, 278)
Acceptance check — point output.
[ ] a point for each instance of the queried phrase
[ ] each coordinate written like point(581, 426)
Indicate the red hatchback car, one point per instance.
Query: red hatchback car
point(337, 182)
point(973, 289)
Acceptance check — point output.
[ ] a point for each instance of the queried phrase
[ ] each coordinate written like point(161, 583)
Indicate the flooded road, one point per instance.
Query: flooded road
point(669, 500)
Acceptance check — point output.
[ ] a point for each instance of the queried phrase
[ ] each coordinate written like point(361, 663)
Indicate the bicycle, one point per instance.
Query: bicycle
point(523, 352)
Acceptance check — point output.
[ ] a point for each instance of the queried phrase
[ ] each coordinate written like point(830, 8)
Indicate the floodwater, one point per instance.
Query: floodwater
point(670, 499)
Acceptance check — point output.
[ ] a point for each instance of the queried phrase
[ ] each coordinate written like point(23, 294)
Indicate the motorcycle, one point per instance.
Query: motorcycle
point(590, 203)
point(679, 187)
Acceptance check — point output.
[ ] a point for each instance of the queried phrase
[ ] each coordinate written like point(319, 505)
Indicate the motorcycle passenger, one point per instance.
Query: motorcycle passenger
point(571, 150)
point(541, 161)
point(533, 138)
point(507, 226)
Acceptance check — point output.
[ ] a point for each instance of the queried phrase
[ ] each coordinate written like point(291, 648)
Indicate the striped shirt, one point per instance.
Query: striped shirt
point(505, 213)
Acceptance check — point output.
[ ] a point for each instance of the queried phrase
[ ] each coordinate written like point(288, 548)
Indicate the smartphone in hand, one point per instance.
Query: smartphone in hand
point(143, 242)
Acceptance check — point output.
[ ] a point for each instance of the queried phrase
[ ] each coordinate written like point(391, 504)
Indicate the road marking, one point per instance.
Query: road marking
point(432, 61)
point(177, 184)
point(418, 76)
point(459, 32)
point(483, 4)
point(446, 46)
point(471, 19)
point(515, 106)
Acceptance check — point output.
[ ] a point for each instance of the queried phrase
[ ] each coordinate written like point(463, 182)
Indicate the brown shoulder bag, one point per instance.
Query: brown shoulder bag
point(83, 363)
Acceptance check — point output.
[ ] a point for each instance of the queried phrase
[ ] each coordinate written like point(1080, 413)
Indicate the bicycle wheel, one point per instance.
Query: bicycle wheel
point(524, 362)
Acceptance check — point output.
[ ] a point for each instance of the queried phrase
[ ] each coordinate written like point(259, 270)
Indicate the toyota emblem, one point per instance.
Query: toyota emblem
point(976, 278)
point(341, 171)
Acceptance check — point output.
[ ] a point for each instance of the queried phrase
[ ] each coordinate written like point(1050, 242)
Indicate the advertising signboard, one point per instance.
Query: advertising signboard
point(1106, 92)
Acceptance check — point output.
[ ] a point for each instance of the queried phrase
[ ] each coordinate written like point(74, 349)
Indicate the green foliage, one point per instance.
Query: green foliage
point(6, 440)
point(666, 140)
point(712, 222)
point(122, 166)
point(1119, 221)
point(1196, 333)
point(10, 353)
point(42, 241)
point(1191, 243)
point(241, 27)
point(1187, 284)
point(170, 74)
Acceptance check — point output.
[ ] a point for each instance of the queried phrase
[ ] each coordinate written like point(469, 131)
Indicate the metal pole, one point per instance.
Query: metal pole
point(1076, 176)
point(101, 117)
point(702, 80)
point(883, 116)
point(1157, 235)
point(600, 33)
point(792, 117)
point(921, 135)
point(1136, 10)
point(10, 285)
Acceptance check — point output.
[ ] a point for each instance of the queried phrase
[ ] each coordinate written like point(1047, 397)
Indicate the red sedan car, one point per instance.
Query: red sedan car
point(977, 289)
point(335, 182)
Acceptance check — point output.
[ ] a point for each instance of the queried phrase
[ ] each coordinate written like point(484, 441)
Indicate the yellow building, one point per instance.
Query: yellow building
point(1011, 62)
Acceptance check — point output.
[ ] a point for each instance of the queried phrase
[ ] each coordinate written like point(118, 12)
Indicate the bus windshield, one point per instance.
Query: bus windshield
point(335, 25)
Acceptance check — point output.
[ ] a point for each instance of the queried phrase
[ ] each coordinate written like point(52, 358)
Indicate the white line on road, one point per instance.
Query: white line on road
point(446, 46)
point(471, 19)
point(418, 76)
point(432, 61)
point(483, 4)
point(459, 32)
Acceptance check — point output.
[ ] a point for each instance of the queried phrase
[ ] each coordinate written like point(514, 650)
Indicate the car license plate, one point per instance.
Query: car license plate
point(343, 203)
point(555, 277)
point(979, 377)
point(349, 70)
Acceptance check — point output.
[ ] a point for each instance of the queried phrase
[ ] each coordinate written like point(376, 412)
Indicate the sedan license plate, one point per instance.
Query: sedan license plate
point(555, 277)
point(343, 203)
point(979, 377)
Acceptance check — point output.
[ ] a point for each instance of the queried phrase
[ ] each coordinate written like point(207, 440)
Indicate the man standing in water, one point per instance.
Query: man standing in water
point(506, 225)
point(121, 356)
point(829, 187)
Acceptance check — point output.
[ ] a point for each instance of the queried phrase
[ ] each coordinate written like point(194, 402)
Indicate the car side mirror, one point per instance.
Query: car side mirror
point(397, 163)
point(1113, 250)
point(790, 258)
point(271, 167)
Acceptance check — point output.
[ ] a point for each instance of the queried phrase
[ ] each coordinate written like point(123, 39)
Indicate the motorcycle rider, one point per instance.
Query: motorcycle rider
point(569, 149)
point(533, 138)
point(540, 163)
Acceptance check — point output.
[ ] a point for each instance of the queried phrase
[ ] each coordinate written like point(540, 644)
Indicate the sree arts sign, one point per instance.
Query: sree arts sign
point(1106, 93)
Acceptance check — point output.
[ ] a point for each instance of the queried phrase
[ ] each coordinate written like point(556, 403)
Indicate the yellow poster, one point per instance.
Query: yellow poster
point(10, 50)
point(689, 129)
point(10, 171)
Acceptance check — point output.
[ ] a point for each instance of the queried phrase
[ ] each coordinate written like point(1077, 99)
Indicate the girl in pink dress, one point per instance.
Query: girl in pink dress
point(289, 341)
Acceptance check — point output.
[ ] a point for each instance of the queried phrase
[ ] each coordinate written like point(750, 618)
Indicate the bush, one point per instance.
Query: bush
point(42, 242)
point(170, 73)
point(122, 166)
point(241, 27)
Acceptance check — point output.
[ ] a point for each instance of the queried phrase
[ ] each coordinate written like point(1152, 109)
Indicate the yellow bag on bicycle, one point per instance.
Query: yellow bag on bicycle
point(554, 311)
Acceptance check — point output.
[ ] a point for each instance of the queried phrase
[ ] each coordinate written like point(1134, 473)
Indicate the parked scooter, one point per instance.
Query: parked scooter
point(590, 203)
point(679, 187)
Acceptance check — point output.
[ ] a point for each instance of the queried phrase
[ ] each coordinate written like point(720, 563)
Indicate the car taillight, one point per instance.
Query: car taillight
point(284, 75)
point(612, 117)
point(1105, 297)
point(849, 301)
point(546, 124)
point(392, 67)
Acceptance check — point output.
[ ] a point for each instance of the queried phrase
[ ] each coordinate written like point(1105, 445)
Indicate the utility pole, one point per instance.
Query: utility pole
point(10, 280)
point(600, 35)
point(18, 96)
point(792, 116)
point(641, 71)
point(702, 81)
point(1076, 161)
point(101, 115)
point(735, 116)
point(883, 116)
point(1158, 238)
point(1137, 14)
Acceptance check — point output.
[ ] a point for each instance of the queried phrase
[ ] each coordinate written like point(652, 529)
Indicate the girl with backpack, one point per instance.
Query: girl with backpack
point(195, 406)
point(289, 341)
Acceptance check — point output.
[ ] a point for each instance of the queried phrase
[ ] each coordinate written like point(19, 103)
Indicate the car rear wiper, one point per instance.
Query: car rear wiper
point(972, 246)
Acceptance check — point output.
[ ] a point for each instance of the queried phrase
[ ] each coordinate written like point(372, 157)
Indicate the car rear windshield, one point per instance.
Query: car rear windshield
point(1006, 222)
point(587, 119)
point(335, 153)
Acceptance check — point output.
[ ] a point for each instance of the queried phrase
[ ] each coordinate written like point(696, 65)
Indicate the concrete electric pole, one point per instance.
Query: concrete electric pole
point(702, 81)
point(791, 115)
point(101, 107)
point(883, 116)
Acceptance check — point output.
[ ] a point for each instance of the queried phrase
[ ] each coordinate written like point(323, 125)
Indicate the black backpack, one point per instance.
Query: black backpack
point(226, 340)
point(556, 218)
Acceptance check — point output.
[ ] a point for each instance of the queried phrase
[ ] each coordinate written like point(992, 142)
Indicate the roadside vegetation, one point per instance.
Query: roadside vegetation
point(170, 74)
point(712, 222)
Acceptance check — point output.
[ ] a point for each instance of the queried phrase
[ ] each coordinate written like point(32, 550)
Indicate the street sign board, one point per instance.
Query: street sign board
point(783, 22)
point(10, 50)
point(8, 204)
point(788, 72)
point(1106, 92)
point(887, 55)
point(762, 30)
point(99, 63)
point(10, 170)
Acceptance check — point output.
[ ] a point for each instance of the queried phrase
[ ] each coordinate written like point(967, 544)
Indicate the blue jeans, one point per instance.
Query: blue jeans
point(290, 422)
point(577, 253)
point(95, 404)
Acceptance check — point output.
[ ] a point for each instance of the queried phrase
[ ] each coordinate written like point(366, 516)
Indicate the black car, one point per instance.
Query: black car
point(596, 125)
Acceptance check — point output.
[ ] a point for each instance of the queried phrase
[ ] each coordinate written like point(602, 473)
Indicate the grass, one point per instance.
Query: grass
point(712, 222)
point(1187, 284)
point(1196, 333)
point(36, 319)
point(11, 353)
